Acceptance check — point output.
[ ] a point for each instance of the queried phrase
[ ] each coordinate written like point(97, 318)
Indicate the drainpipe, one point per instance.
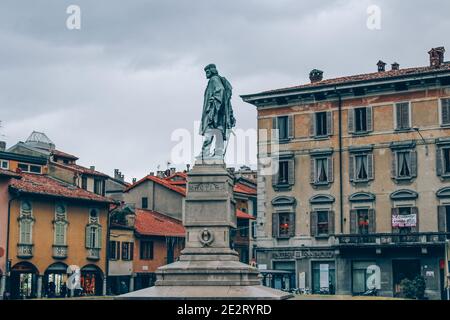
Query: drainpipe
point(16, 195)
point(341, 186)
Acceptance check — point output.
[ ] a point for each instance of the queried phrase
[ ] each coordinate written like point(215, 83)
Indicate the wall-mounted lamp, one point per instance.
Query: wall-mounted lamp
point(424, 142)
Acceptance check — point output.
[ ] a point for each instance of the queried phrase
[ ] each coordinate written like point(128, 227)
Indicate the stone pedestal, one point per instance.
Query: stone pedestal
point(208, 268)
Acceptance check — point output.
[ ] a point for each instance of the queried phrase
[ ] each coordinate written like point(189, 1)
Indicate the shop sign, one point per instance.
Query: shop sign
point(404, 221)
point(316, 254)
point(283, 255)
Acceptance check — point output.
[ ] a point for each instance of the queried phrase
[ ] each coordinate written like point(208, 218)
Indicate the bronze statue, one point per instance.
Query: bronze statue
point(217, 117)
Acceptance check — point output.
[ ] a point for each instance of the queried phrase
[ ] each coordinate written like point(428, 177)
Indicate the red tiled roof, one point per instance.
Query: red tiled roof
point(80, 169)
point(45, 185)
point(182, 175)
point(152, 223)
point(242, 188)
point(64, 155)
point(10, 174)
point(242, 215)
point(161, 182)
point(417, 71)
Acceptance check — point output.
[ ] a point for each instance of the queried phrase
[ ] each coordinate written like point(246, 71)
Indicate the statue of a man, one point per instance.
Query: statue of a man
point(217, 117)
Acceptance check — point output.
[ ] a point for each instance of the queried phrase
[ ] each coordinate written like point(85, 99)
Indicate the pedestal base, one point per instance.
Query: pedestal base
point(206, 293)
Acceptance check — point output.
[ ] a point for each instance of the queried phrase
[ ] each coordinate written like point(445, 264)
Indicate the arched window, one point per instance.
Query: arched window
point(26, 221)
point(60, 225)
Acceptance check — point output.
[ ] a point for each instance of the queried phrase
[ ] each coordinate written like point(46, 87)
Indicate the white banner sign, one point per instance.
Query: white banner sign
point(402, 221)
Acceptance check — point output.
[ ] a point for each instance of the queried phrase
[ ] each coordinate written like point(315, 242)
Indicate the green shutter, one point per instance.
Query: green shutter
point(369, 119)
point(372, 222)
point(330, 174)
point(442, 223)
point(99, 237)
point(291, 171)
point(291, 127)
point(394, 165)
point(370, 167)
point(88, 236)
point(312, 125)
point(330, 123)
point(275, 225)
point(292, 224)
point(312, 170)
point(351, 167)
point(439, 162)
point(313, 223)
point(353, 221)
point(331, 223)
point(395, 212)
point(413, 164)
point(445, 111)
point(351, 120)
point(415, 210)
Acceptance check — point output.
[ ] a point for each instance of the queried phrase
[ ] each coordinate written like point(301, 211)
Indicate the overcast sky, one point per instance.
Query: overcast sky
point(113, 92)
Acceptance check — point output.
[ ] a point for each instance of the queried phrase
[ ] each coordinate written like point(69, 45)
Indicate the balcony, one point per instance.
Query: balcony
point(93, 254)
point(391, 239)
point(59, 252)
point(24, 251)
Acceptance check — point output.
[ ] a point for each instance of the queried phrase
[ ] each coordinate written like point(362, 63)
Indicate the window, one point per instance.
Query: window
point(404, 165)
point(445, 112)
point(98, 186)
point(84, 182)
point(254, 225)
point(363, 221)
point(146, 250)
point(443, 161)
point(144, 203)
point(405, 219)
point(285, 127)
point(361, 167)
point(26, 223)
point(283, 225)
point(321, 170)
point(93, 236)
point(322, 223)
point(285, 177)
point(60, 225)
point(114, 250)
point(127, 251)
point(243, 226)
point(360, 120)
point(321, 124)
point(29, 168)
point(402, 116)
point(4, 164)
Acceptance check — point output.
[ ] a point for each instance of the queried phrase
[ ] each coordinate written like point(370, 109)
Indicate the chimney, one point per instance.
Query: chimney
point(395, 66)
point(315, 75)
point(134, 180)
point(2, 145)
point(172, 171)
point(92, 168)
point(152, 174)
point(118, 175)
point(160, 174)
point(381, 66)
point(188, 166)
point(436, 57)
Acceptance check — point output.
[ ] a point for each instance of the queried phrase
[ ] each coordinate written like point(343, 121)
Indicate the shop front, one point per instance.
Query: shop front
point(91, 281)
point(55, 281)
point(24, 281)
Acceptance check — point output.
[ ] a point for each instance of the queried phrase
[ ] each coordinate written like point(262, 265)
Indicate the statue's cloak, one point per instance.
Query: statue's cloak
point(217, 109)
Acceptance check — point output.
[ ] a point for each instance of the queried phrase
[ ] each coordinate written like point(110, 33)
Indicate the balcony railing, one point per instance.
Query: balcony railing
point(24, 251)
point(59, 252)
point(381, 239)
point(93, 254)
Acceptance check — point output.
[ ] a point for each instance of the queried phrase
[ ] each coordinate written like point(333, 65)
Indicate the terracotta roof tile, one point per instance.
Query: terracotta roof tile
point(152, 223)
point(159, 181)
point(45, 185)
point(64, 155)
point(8, 173)
point(417, 71)
point(80, 169)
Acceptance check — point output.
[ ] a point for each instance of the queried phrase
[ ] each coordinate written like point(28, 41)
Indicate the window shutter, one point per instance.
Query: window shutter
point(99, 237)
point(405, 115)
point(370, 167)
point(413, 164)
point(330, 169)
point(118, 244)
point(276, 175)
point(131, 250)
point(351, 167)
point(312, 125)
point(124, 251)
point(353, 221)
point(398, 113)
point(313, 223)
point(88, 236)
point(292, 224)
point(442, 212)
point(445, 105)
point(291, 128)
point(351, 120)
point(291, 171)
point(275, 225)
point(372, 222)
point(439, 162)
point(331, 222)
point(369, 119)
point(275, 123)
point(330, 123)
point(394, 212)
point(394, 165)
point(312, 172)
point(415, 210)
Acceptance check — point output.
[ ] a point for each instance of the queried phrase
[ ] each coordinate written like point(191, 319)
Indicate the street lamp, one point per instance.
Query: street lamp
point(424, 142)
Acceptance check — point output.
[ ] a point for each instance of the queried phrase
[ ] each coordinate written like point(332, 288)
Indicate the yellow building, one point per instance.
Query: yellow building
point(51, 226)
